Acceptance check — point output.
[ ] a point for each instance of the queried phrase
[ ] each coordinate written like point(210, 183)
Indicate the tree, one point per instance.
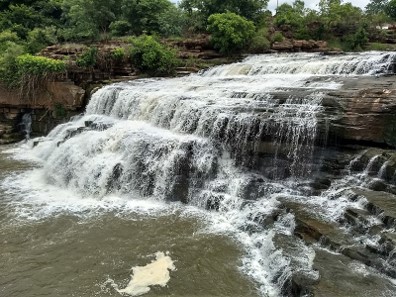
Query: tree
point(20, 19)
point(88, 18)
point(149, 56)
point(147, 16)
point(230, 32)
point(292, 17)
point(200, 10)
point(391, 9)
point(376, 6)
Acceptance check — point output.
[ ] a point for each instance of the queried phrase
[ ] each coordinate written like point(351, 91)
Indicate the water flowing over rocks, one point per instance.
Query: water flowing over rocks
point(275, 148)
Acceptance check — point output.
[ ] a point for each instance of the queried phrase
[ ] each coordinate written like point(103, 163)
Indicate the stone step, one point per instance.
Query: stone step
point(334, 236)
point(381, 204)
point(340, 276)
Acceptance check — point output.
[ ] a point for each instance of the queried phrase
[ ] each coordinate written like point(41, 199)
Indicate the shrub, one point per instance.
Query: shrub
point(88, 58)
point(260, 42)
point(118, 54)
point(40, 38)
point(8, 65)
point(277, 37)
point(8, 35)
point(39, 66)
point(230, 32)
point(120, 28)
point(151, 57)
point(27, 72)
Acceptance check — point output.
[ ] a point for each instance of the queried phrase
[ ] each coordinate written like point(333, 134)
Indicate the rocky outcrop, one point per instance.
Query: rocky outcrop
point(363, 111)
point(54, 104)
point(295, 45)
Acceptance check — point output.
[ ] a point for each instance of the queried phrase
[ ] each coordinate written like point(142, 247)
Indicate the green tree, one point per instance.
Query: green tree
point(391, 9)
point(200, 10)
point(88, 18)
point(20, 19)
point(292, 18)
point(376, 6)
point(151, 57)
point(230, 32)
point(147, 16)
point(260, 42)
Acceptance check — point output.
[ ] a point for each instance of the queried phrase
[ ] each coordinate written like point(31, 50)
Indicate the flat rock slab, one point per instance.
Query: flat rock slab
point(341, 277)
point(311, 226)
point(380, 203)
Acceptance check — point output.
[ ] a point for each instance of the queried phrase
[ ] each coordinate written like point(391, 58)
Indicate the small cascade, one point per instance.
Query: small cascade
point(368, 63)
point(382, 171)
point(26, 125)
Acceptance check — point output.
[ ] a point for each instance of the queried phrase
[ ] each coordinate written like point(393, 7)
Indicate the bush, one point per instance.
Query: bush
point(117, 54)
point(120, 28)
point(8, 65)
point(39, 66)
point(40, 38)
point(260, 42)
point(88, 58)
point(151, 57)
point(230, 32)
point(277, 37)
point(7, 35)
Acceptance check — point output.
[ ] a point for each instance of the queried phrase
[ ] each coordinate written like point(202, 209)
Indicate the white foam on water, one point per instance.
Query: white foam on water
point(156, 273)
point(32, 198)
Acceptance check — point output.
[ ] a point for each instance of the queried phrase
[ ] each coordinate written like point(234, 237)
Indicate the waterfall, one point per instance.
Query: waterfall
point(26, 125)
point(231, 140)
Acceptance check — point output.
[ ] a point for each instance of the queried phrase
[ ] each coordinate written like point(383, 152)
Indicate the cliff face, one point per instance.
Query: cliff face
point(51, 106)
point(363, 111)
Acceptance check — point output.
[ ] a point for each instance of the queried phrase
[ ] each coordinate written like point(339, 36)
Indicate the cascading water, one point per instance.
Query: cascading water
point(235, 142)
point(26, 125)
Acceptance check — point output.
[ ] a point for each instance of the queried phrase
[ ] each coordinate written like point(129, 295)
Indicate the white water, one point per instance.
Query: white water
point(198, 140)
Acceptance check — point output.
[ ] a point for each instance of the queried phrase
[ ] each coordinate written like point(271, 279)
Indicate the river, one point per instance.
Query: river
point(210, 173)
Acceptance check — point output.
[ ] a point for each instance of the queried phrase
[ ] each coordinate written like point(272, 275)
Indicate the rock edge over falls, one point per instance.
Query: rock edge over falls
point(292, 154)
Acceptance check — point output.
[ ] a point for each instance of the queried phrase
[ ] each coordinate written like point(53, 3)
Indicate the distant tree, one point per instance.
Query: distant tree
point(88, 18)
point(376, 6)
point(20, 19)
point(292, 17)
point(147, 16)
point(230, 32)
point(200, 10)
point(391, 9)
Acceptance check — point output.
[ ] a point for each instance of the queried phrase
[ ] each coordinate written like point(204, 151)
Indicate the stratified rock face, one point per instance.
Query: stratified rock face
point(363, 111)
point(47, 109)
point(296, 45)
point(65, 93)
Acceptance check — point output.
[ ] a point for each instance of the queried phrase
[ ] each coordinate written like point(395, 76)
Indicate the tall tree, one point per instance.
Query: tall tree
point(88, 18)
point(376, 6)
point(147, 15)
point(200, 10)
point(391, 9)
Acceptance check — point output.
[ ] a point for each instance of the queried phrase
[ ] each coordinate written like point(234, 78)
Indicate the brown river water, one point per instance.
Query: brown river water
point(61, 253)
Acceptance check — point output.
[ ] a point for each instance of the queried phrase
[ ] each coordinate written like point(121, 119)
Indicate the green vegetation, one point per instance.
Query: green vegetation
point(29, 26)
point(230, 32)
point(260, 42)
point(150, 57)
